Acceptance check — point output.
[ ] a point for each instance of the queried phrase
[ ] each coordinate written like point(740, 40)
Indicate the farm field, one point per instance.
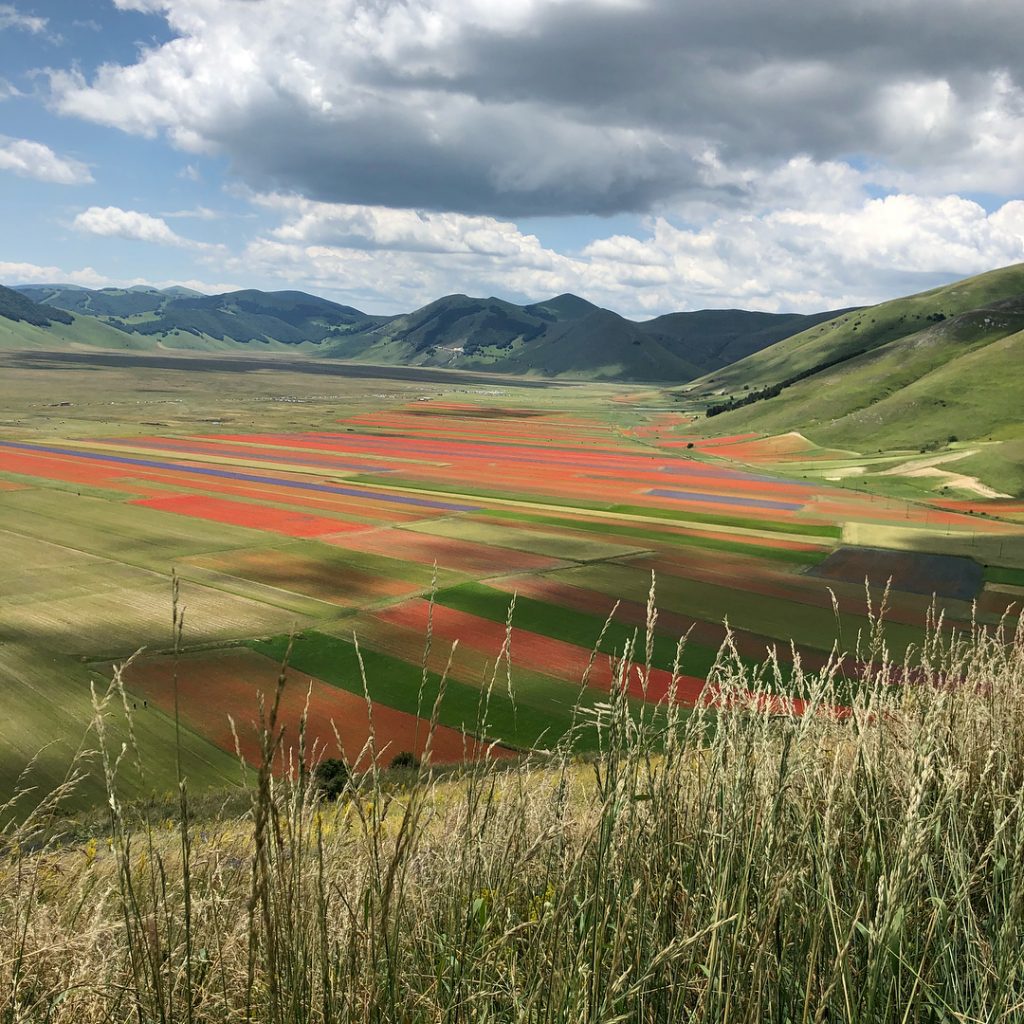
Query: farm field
point(333, 509)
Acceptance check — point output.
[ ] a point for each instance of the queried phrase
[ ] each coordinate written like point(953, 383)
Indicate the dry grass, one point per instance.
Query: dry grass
point(728, 865)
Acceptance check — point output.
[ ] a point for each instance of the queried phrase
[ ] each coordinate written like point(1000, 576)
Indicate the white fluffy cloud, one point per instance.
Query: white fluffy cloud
point(379, 227)
point(573, 106)
point(30, 159)
point(11, 17)
point(809, 240)
point(806, 259)
point(113, 222)
point(33, 273)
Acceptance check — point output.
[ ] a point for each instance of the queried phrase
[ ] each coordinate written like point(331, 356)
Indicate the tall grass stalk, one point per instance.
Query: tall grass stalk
point(732, 862)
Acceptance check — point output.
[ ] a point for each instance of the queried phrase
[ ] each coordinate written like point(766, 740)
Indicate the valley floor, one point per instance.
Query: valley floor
point(351, 516)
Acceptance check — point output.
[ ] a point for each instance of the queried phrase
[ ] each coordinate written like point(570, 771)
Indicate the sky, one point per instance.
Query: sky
point(649, 155)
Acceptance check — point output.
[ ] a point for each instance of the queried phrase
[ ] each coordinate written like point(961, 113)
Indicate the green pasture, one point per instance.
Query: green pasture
point(1001, 464)
point(1010, 577)
point(58, 599)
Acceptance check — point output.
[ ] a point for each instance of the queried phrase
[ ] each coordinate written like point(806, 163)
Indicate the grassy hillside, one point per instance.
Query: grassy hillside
point(913, 373)
point(290, 318)
point(860, 331)
point(103, 302)
point(184, 318)
point(80, 330)
point(713, 338)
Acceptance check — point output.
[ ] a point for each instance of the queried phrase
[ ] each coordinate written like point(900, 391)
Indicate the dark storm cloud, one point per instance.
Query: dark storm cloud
point(551, 107)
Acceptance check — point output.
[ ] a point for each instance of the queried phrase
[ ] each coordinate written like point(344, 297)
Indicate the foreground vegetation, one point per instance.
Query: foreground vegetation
point(729, 864)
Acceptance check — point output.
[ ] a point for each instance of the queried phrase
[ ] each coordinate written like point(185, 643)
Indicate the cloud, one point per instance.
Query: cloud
point(30, 159)
point(379, 228)
point(11, 18)
point(33, 273)
point(806, 258)
point(87, 277)
point(113, 222)
point(573, 106)
point(196, 213)
point(809, 239)
point(8, 89)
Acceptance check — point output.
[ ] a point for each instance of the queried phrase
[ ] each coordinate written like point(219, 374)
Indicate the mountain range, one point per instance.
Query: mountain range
point(565, 336)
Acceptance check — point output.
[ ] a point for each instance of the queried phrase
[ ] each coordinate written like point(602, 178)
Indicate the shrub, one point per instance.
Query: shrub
point(331, 778)
point(405, 759)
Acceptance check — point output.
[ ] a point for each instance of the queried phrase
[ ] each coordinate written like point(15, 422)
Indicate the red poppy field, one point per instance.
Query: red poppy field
point(257, 517)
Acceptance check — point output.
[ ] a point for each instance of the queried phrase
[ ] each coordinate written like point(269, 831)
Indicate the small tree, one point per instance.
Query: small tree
point(331, 778)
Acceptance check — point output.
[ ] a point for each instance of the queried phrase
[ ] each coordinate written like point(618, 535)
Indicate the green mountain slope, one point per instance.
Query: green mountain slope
point(81, 331)
point(853, 332)
point(567, 336)
point(713, 338)
point(20, 308)
point(922, 373)
point(26, 324)
point(289, 318)
point(180, 317)
point(104, 302)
